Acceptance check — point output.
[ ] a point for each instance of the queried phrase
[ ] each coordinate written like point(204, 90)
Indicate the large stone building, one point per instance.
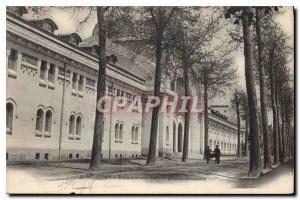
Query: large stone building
point(51, 99)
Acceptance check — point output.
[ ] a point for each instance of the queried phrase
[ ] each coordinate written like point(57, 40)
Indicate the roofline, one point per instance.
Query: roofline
point(69, 34)
point(227, 121)
point(69, 45)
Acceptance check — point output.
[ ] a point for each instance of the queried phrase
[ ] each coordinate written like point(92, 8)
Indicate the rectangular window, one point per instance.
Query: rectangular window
point(29, 59)
point(43, 70)
point(74, 81)
point(81, 83)
point(136, 139)
point(51, 73)
point(110, 90)
point(167, 136)
point(37, 156)
point(12, 59)
point(68, 74)
point(132, 135)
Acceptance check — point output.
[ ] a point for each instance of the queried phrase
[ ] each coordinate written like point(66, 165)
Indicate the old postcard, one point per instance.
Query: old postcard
point(150, 100)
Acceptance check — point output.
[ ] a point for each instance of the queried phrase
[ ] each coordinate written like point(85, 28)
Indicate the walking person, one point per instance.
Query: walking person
point(207, 154)
point(217, 153)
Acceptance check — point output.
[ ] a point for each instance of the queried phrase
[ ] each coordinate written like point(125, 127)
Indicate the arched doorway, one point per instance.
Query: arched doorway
point(179, 137)
point(174, 136)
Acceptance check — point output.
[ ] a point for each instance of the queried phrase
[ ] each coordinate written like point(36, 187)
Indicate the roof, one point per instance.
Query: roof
point(68, 36)
point(48, 20)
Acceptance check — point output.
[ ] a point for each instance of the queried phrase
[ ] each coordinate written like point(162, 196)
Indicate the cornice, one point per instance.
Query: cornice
point(36, 36)
point(226, 122)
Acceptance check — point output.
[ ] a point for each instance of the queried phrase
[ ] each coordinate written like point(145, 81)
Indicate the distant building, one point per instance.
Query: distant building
point(223, 133)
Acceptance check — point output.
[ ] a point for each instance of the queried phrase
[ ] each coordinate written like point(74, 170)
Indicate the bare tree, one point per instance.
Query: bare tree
point(215, 74)
point(95, 163)
point(154, 22)
point(190, 33)
point(245, 15)
point(245, 117)
point(236, 101)
point(277, 51)
point(264, 116)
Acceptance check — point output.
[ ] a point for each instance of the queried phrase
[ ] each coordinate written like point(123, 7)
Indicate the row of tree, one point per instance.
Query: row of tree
point(192, 41)
point(186, 38)
point(267, 58)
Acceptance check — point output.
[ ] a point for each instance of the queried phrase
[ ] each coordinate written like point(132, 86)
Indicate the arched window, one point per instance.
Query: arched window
point(39, 120)
point(48, 122)
point(9, 117)
point(71, 125)
point(121, 133)
point(116, 132)
point(132, 135)
point(136, 138)
point(78, 125)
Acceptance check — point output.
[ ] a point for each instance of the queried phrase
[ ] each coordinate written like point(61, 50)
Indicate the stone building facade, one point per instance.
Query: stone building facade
point(51, 98)
point(224, 134)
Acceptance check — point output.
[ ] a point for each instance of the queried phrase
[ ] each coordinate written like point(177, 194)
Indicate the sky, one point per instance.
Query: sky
point(67, 22)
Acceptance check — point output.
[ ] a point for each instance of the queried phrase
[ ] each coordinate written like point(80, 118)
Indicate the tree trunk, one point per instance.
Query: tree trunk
point(283, 128)
point(155, 111)
point(206, 120)
point(254, 165)
point(246, 134)
point(262, 84)
point(96, 156)
point(274, 109)
point(238, 124)
point(283, 131)
point(288, 144)
point(279, 120)
point(186, 114)
point(288, 124)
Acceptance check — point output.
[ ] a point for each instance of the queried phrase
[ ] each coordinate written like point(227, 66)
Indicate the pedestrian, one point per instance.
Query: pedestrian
point(217, 153)
point(207, 154)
